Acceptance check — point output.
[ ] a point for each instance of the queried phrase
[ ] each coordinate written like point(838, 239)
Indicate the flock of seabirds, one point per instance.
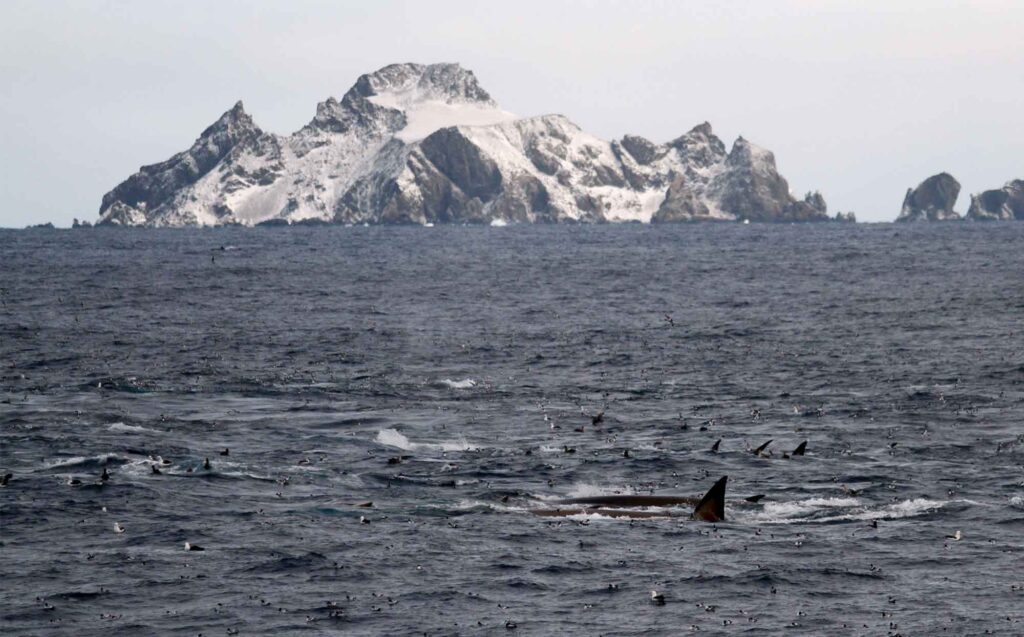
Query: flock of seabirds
point(709, 508)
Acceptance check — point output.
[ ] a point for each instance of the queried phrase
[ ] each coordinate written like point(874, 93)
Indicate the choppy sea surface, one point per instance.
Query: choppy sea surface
point(451, 376)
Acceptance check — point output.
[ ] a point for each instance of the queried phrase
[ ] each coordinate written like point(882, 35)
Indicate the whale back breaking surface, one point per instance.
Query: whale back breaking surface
point(710, 508)
point(625, 501)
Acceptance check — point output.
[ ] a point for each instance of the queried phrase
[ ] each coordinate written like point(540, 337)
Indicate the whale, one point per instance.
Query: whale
point(710, 508)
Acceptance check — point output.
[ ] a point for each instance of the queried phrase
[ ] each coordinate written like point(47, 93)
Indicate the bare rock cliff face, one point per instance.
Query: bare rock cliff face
point(421, 144)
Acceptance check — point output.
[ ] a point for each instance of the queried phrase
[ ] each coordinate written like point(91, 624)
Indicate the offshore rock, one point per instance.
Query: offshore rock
point(932, 200)
point(418, 144)
point(1005, 204)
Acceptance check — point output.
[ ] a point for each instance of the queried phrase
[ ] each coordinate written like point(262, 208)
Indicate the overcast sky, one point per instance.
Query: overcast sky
point(857, 99)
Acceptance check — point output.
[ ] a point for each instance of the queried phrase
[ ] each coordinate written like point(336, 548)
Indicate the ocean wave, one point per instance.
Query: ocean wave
point(133, 429)
point(823, 510)
point(465, 383)
point(394, 438)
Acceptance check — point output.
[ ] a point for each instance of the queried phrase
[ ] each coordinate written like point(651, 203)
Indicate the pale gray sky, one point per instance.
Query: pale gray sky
point(859, 99)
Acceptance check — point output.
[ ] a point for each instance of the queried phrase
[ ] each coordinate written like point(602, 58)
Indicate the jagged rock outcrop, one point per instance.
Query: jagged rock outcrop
point(932, 200)
point(1005, 204)
point(426, 144)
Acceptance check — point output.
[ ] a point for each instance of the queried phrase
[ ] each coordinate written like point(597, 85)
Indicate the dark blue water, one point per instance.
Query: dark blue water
point(441, 374)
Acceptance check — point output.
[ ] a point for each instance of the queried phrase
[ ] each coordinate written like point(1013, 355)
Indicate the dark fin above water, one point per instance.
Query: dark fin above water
point(799, 451)
point(711, 507)
point(761, 449)
point(714, 447)
point(754, 499)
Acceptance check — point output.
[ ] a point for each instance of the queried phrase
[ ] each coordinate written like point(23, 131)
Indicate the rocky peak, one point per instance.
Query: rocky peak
point(445, 82)
point(700, 146)
point(376, 103)
point(235, 121)
point(156, 183)
point(747, 155)
point(932, 200)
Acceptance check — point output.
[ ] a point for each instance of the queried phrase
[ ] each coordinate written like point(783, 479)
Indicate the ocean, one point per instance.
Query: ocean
point(451, 376)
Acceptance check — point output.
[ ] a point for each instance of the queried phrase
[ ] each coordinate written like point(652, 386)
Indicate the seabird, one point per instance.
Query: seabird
point(74, 482)
point(225, 452)
point(206, 464)
point(598, 419)
point(118, 528)
point(104, 476)
point(657, 598)
point(363, 520)
point(956, 536)
point(193, 547)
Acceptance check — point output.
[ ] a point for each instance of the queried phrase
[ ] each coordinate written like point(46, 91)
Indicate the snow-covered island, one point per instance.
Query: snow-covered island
point(419, 144)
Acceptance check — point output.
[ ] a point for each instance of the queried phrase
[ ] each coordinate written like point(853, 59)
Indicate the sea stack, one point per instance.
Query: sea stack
point(932, 200)
point(1005, 204)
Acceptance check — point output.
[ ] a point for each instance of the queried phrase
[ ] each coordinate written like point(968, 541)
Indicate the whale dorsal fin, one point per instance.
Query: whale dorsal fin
point(761, 449)
point(711, 507)
point(799, 451)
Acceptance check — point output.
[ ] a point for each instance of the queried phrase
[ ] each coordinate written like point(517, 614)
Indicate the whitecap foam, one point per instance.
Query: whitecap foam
point(394, 438)
point(132, 429)
point(465, 383)
point(80, 460)
point(810, 510)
